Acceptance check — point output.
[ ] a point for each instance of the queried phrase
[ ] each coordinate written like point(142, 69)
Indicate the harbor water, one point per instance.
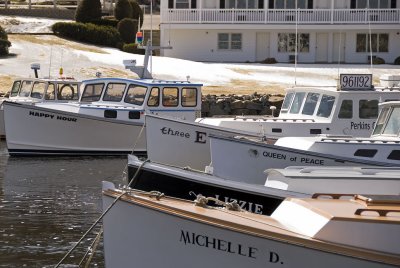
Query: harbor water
point(48, 203)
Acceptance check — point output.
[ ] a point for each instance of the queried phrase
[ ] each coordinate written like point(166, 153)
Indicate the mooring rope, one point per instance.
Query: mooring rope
point(101, 216)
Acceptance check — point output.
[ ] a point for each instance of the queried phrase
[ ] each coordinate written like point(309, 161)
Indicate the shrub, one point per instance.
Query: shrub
point(397, 61)
point(88, 10)
point(3, 34)
point(112, 22)
point(127, 29)
point(269, 61)
point(137, 12)
point(123, 9)
point(132, 48)
point(88, 32)
point(4, 45)
point(378, 60)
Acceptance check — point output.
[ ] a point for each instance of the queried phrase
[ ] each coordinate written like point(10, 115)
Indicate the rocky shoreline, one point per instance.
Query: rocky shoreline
point(233, 104)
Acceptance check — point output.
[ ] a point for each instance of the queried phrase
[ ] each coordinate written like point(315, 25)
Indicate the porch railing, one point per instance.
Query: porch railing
point(281, 16)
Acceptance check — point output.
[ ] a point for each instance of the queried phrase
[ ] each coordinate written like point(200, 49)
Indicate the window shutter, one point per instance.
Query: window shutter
point(222, 4)
point(271, 4)
point(193, 4)
point(261, 4)
point(170, 3)
point(393, 4)
point(353, 4)
point(310, 4)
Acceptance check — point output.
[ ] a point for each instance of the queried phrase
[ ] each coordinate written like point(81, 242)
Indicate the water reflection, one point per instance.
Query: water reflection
point(46, 204)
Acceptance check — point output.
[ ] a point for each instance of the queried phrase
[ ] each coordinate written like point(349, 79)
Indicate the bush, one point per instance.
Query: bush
point(88, 10)
point(397, 61)
point(106, 22)
point(378, 60)
point(127, 29)
point(3, 34)
point(269, 61)
point(123, 9)
point(132, 48)
point(137, 12)
point(88, 32)
point(4, 45)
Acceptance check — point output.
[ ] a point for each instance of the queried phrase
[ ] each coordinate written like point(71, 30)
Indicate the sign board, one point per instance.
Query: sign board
point(355, 81)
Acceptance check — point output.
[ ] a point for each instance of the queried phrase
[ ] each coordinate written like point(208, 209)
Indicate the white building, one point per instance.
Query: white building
point(253, 30)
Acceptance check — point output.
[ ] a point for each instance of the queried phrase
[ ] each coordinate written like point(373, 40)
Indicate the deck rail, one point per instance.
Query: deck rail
point(282, 16)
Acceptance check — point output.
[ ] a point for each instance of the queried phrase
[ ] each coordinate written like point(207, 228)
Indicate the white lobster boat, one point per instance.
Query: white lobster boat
point(310, 180)
point(107, 120)
point(34, 90)
point(253, 155)
point(147, 229)
point(305, 112)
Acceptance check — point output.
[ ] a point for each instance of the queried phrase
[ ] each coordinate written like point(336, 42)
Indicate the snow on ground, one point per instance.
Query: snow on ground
point(83, 61)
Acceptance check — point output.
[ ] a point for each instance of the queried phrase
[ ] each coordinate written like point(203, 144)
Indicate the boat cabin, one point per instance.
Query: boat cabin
point(319, 110)
point(36, 90)
point(388, 123)
point(130, 99)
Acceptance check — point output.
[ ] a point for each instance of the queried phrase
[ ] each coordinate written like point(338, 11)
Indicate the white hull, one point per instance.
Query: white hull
point(36, 130)
point(181, 143)
point(138, 234)
point(245, 160)
point(309, 180)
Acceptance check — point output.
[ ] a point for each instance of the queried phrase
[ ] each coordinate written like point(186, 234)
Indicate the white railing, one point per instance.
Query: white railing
point(281, 16)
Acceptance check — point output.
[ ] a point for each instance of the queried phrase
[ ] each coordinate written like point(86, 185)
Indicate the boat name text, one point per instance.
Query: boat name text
point(249, 206)
point(52, 116)
point(361, 126)
point(201, 240)
point(199, 136)
point(303, 160)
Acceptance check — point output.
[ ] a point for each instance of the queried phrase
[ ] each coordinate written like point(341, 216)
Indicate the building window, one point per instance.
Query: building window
point(227, 41)
point(379, 43)
point(287, 42)
point(241, 4)
point(182, 4)
point(291, 4)
point(372, 4)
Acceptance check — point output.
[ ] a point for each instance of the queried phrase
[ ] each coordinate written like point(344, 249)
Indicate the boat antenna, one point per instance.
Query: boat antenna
point(370, 37)
point(151, 35)
point(340, 50)
point(51, 55)
point(295, 50)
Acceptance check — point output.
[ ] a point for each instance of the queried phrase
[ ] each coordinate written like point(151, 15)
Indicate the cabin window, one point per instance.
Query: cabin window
point(189, 97)
point(346, 109)
point(379, 42)
point(135, 94)
point(114, 92)
point(154, 98)
point(92, 92)
point(366, 152)
point(229, 41)
point(110, 113)
point(68, 92)
point(326, 105)
point(381, 121)
point(287, 42)
point(38, 90)
point(170, 96)
point(15, 88)
point(393, 123)
point(368, 109)
point(310, 104)
point(286, 102)
point(394, 155)
point(25, 88)
point(297, 102)
point(50, 92)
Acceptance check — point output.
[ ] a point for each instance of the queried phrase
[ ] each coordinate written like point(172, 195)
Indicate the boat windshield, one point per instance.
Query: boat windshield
point(310, 104)
point(297, 102)
point(114, 92)
point(286, 102)
point(381, 121)
point(393, 125)
point(326, 105)
point(25, 88)
point(135, 94)
point(38, 90)
point(15, 88)
point(92, 92)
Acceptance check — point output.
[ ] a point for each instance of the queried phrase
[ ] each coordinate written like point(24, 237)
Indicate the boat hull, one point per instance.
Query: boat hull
point(139, 234)
point(32, 130)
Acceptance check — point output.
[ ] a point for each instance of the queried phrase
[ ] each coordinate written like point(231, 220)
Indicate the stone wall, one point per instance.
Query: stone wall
point(53, 13)
point(255, 104)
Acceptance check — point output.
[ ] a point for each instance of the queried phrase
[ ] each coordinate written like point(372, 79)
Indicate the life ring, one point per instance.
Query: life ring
point(71, 97)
